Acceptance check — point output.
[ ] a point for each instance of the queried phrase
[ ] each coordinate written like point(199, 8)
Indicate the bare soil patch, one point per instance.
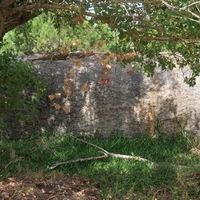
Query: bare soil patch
point(47, 187)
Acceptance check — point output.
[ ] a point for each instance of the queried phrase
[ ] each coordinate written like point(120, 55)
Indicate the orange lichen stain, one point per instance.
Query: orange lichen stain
point(67, 109)
point(71, 72)
point(86, 88)
point(57, 95)
point(68, 81)
point(105, 81)
point(78, 63)
point(51, 97)
point(57, 106)
point(129, 72)
point(106, 69)
point(67, 90)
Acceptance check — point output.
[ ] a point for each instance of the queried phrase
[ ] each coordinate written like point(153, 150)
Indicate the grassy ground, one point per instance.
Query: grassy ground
point(173, 173)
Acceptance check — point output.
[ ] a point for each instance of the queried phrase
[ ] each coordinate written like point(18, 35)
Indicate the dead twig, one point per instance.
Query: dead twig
point(79, 160)
point(106, 155)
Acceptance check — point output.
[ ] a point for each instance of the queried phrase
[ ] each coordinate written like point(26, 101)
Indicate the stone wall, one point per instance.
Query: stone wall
point(128, 103)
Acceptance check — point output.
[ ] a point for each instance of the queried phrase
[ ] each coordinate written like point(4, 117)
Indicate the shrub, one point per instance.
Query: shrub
point(20, 89)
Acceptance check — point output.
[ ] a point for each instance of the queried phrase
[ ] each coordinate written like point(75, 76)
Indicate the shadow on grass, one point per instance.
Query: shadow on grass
point(118, 178)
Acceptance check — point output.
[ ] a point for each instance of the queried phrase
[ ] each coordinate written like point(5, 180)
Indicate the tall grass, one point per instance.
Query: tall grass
point(171, 174)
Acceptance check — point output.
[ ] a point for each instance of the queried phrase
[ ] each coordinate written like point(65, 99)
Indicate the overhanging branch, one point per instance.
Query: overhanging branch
point(63, 6)
point(4, 4)
point(12, 22)
point(29, 11)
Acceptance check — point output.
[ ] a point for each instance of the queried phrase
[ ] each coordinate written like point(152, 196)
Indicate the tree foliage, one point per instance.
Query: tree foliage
point(150, 26)
point(43, 35)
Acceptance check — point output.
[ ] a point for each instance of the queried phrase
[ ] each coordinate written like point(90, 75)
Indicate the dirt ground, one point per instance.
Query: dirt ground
point(48, 188)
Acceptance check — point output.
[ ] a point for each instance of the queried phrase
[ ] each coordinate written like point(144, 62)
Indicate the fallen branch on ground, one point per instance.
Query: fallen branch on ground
point(106, 155)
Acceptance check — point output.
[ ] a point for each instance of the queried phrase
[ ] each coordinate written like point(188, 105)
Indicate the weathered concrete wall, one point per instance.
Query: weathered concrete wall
point(130, 103)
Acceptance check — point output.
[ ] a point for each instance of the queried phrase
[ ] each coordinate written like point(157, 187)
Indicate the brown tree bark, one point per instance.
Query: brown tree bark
point(4, 4)
point(14, 13)
point(2, 32)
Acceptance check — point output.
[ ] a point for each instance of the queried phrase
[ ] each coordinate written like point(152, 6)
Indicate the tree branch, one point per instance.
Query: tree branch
point(83, 141)
point(12, 22)
point(4, 4)
point(185, 8)
point(23, 12)
point(106, 155)
point(78, 160)
point(63, 6)
point(190, 5)
point(168, 5)
point(193, 14)
point(134, 34)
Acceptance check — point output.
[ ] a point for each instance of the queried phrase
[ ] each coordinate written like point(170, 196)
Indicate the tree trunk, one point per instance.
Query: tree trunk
point(2, 21)
point(11, 16)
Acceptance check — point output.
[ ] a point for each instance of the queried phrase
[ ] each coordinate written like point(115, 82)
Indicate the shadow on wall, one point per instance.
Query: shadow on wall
point(130, 102)
point(114, 101)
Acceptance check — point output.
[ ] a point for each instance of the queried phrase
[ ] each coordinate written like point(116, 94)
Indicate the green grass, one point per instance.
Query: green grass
point(173, 172)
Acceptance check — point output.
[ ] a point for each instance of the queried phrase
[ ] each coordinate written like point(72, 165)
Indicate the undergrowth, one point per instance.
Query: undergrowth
point(173, 172)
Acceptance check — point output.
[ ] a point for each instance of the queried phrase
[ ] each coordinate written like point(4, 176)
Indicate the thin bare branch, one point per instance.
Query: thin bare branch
point(106, 155)
point(197, 8)
point(83, 141)
point(128, 157)
point(185, 8)
point(193, 14)
point(196, 21)
point(169, 6)
point(190, 5)
point(79, 160)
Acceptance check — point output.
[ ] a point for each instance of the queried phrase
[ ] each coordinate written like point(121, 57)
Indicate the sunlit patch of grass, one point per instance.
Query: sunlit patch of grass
point(172, 173)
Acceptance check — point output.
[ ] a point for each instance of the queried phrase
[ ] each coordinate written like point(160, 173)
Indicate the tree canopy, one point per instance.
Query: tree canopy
point(146, 27)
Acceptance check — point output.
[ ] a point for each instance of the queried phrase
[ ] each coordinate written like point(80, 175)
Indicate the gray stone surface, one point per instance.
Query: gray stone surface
point(128, 103)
